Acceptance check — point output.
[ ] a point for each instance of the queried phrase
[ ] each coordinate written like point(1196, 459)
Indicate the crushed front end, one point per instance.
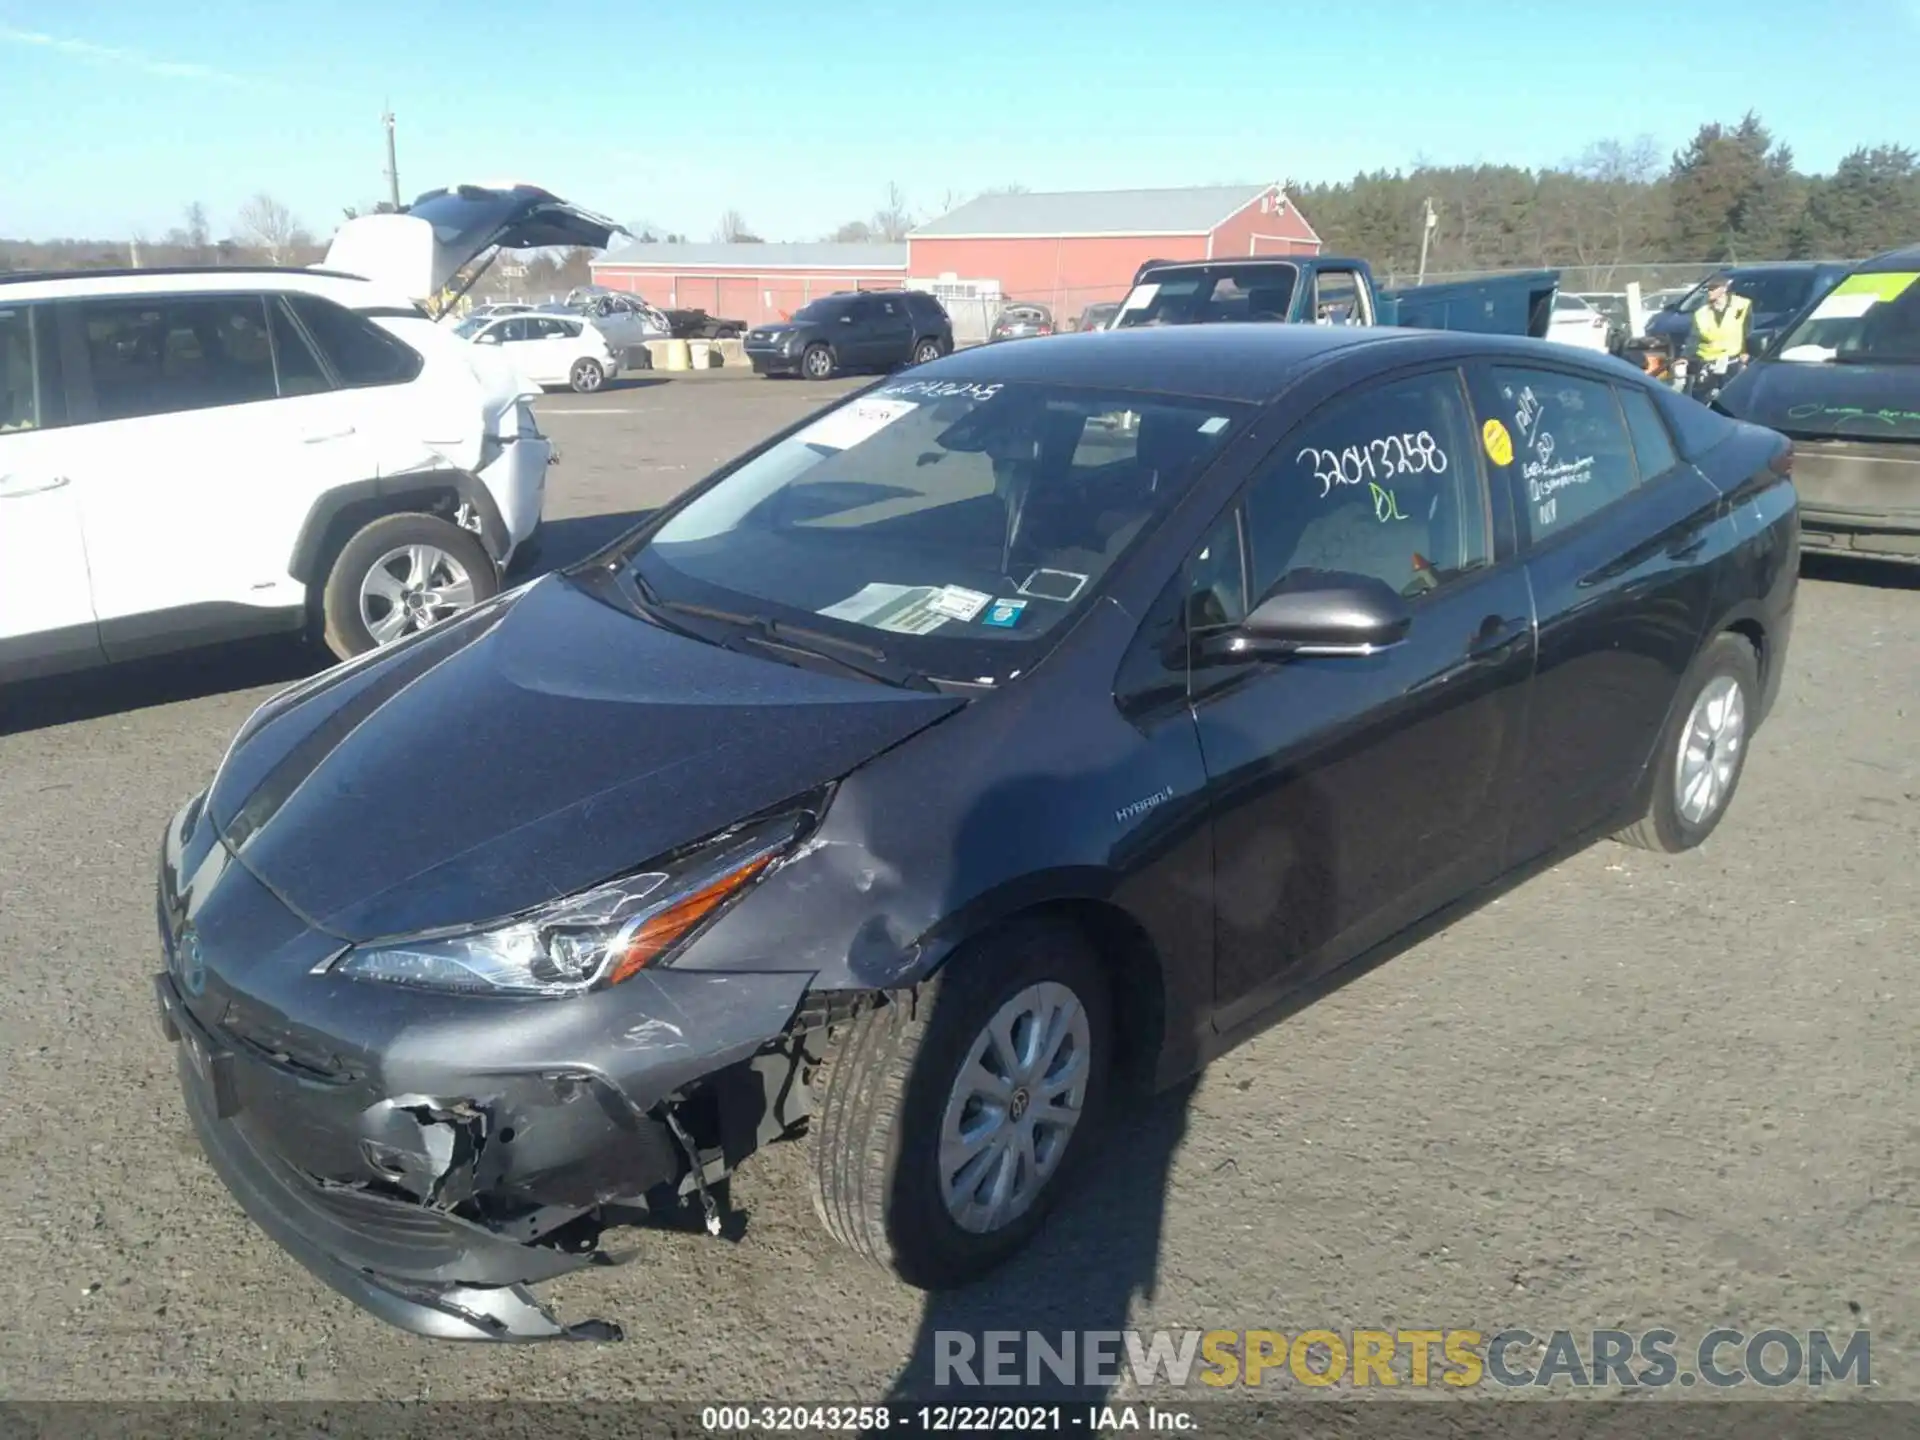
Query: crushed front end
point(430, 1156)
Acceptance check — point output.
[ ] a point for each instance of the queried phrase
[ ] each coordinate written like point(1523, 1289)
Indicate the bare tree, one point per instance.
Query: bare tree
point(892, 220)
point(270, 227)
point(732, 230)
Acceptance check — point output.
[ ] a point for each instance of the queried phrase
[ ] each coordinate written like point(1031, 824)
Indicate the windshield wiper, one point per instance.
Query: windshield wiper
point(1858, 357)
point(851, 656)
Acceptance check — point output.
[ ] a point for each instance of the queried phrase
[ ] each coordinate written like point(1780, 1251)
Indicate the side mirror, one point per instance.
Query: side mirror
point(1320, 612)
point(492, 337)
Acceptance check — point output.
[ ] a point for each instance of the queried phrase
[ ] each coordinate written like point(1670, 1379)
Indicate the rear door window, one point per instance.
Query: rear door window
point(294, 359)
point(161, 354)
point(1571, 448)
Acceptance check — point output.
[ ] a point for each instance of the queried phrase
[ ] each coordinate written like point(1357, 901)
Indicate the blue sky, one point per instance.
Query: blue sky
point(114, 115)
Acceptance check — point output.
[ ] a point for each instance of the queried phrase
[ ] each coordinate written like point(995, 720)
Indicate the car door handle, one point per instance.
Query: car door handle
point(1498, 637)
point(14, 489)
point(320, 437)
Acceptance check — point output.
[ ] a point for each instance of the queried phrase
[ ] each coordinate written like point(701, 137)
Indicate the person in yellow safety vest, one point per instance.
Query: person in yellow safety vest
point(1720, 325)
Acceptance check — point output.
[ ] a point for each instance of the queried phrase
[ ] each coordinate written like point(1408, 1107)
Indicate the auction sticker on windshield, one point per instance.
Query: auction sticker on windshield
point(900, 609)
point(850, 424)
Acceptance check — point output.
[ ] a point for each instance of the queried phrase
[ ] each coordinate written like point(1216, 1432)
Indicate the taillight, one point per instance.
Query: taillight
point(1782, 461)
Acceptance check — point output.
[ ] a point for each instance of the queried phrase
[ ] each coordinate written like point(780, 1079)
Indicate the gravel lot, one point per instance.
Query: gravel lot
point(1637, 1092)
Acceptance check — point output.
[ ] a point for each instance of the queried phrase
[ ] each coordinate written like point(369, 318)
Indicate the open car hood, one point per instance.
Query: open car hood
point(420, 249)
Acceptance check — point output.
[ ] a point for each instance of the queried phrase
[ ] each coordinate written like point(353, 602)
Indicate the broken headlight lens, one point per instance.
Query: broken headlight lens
point(591, 940)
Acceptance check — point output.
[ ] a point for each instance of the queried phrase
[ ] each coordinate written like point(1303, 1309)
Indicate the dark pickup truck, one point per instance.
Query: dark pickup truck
point(1331, 290)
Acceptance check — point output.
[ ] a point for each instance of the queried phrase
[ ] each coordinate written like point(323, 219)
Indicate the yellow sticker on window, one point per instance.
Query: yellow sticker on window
point(1498, 442)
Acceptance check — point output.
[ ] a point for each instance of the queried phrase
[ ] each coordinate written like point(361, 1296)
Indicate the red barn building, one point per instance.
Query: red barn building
point(1066, 250)
point(1070, 249)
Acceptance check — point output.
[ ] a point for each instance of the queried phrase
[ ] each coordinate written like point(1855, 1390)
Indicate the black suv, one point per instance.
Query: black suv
point(853, 330)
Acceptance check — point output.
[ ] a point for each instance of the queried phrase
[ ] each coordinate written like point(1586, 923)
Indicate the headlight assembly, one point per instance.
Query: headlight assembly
point(591, 940)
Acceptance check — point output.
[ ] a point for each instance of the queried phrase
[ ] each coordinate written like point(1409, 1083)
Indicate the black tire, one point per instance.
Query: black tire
point(343, 628)
point(817, 362)
point(1665, 827)
point(882, 1092)
point(925, 351)
point(586, 376)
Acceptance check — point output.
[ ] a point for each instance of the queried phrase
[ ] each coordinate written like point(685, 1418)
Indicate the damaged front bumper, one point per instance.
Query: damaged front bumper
point(432, 1156)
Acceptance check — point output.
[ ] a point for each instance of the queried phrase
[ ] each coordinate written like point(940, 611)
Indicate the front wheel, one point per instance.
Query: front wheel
point(926, 351)
point(817, 363)
point(1703, 750)
point(947, 1123)
point(586, 376)
point(400, 575)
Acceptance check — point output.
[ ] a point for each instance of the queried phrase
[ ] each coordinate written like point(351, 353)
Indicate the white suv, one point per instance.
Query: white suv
point(193, 455)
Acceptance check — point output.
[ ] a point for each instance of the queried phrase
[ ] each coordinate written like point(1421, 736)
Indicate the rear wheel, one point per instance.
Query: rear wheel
point(1703, 751)
point(817, 363)
point(948, 1123)
point(399, 575)
point(925, 351)
point(586, 376)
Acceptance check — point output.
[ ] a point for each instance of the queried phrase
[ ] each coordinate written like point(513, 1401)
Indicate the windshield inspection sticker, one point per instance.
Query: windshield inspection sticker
point(1498, 442)
point(959, 602)
point(1004, 613)
point(850, 424)
point(899, 609)
point(1061, 585)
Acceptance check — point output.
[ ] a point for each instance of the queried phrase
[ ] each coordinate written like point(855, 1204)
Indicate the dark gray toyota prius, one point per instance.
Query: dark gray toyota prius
point(1041, 717)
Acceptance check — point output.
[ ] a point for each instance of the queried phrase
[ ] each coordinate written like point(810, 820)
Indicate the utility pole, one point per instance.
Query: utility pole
point(393, 166)
point(1428, 221)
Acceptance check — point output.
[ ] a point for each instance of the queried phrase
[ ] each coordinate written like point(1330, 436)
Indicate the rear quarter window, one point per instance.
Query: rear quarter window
point(1694, 426)
point(360, 352)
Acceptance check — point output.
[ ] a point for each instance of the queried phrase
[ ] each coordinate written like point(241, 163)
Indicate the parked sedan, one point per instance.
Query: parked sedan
point(913, 781)
point(1576, 322)
point(1098, 317)
point(1021, 321)
point(549, 349)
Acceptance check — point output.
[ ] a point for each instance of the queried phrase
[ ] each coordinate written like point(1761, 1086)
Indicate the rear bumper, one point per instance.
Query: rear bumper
point(517, 481)
point(1859, 496)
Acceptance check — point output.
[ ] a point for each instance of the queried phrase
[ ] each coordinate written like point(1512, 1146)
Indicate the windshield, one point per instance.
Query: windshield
point(1249, 292)
point(473, 325)
point(1865, 318)
point(1775, 292)
point(942, 519)
point(818, 310)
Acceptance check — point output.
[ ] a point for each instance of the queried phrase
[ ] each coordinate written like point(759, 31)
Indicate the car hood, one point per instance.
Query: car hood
point(534, 747)
point(420, 249)
point(1816, 399)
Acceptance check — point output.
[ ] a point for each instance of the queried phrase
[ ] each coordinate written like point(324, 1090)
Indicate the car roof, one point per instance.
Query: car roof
point(353, 291)
point(1251, 362)
point(1905, 258)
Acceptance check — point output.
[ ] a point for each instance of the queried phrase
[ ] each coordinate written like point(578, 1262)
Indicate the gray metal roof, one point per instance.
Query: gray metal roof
point(1194, 211)
point(753, 258)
